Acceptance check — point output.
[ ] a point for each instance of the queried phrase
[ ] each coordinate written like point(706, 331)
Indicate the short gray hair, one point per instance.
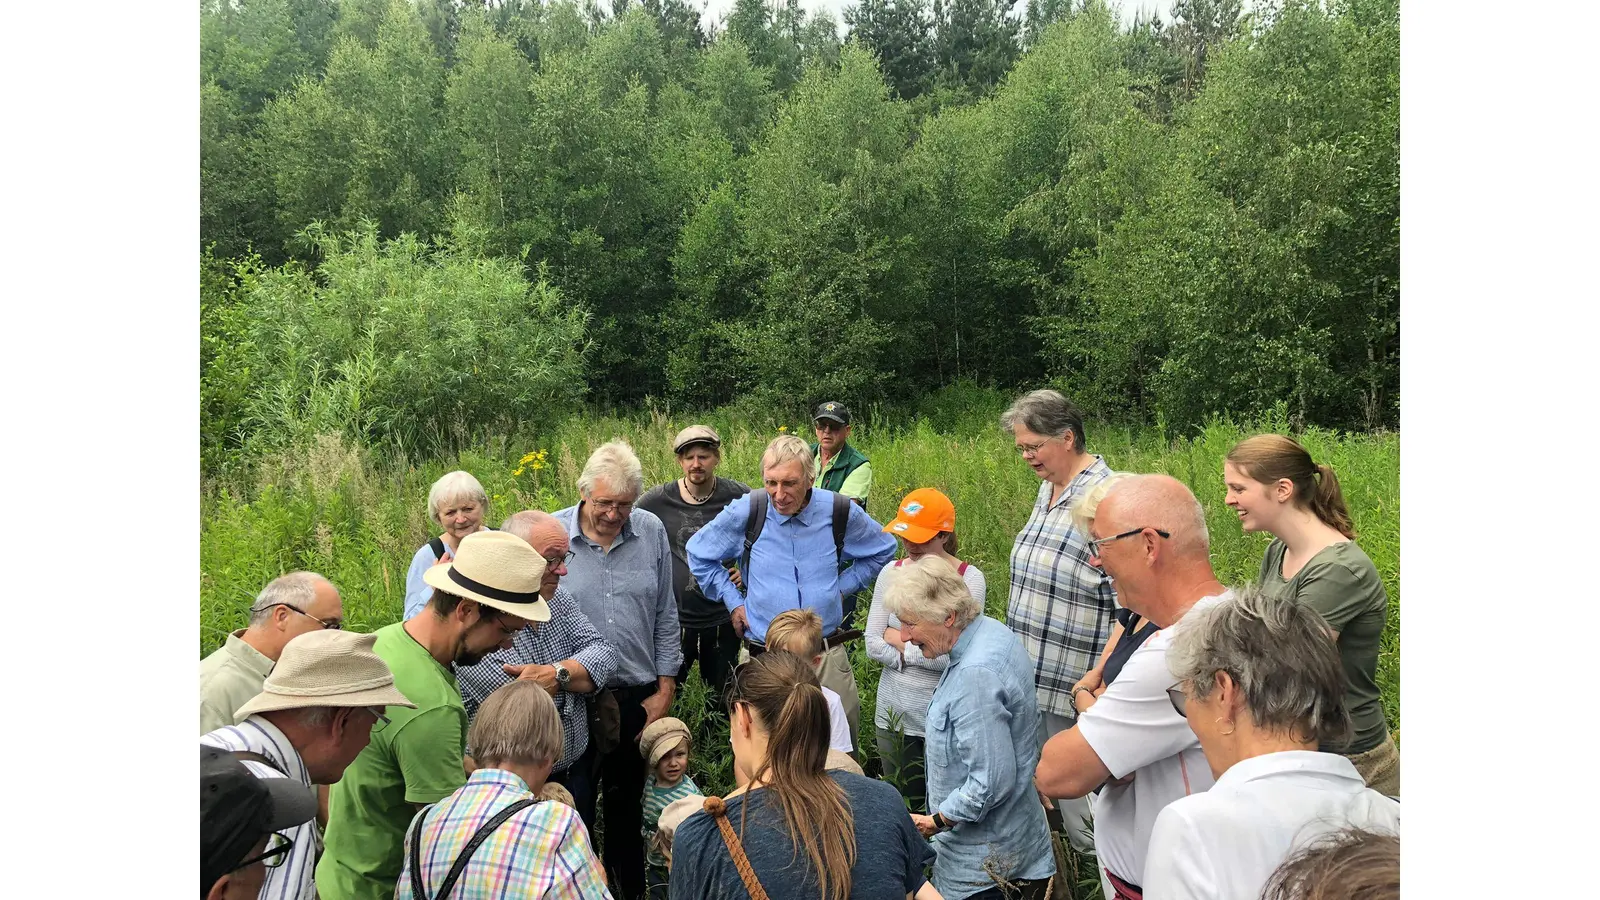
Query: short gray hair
point(1161, 501)
point(1082, 509)
point(457, 485)
point(785, 448)
point(517, 723)
point(930, 590)
point(615, 463)
point(1279, 652)
point(1048, 413)
point(296, 589)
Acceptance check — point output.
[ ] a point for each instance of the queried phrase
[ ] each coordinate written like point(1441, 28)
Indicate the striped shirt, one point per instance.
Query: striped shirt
point(543, 851)
point(908, 679)
point(568, 635)
point(656, 800)
point(293, 879)
point(1060, 605)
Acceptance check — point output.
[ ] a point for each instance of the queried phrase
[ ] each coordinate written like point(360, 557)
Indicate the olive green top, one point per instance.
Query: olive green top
point(1342, 584)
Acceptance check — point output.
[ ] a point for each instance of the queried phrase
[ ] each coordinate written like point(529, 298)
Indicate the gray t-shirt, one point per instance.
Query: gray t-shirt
point(683, 519)
point(890, 854)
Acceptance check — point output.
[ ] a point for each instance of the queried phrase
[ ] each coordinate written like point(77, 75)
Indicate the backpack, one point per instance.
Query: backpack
point(757, 520)
point(437, 543)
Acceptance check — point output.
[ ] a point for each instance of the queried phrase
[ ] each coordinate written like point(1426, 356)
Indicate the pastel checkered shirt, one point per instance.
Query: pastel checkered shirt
point(542, 851)
point(1060, 605)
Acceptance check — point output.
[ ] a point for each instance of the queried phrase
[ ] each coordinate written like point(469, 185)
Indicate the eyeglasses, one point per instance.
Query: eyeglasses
point(1180, 700)
point(553, 561)
point(380, 721)
point(606, 506)
point(1097, 544)
point(278, 847)
point(327, 624)
point(1033, 449)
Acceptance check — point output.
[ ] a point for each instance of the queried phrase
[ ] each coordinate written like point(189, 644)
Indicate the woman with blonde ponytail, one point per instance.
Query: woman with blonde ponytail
point(793, 830)
point(1275, 486)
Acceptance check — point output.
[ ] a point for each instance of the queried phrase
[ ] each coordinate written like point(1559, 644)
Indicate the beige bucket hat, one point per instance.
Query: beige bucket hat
point(327, 668)
point(496, 569)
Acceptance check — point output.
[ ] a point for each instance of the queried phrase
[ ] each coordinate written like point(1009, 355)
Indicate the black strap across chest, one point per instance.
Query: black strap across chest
point(460, 865)
point(756, 520)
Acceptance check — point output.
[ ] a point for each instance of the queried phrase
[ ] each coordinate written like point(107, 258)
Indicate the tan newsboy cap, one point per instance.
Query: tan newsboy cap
point(696, 434)
point(327, 668)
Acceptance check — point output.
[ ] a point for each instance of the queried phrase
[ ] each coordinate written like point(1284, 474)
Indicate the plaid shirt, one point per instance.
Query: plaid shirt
point(542, 851)
point(1060, 605)
point(568, 635)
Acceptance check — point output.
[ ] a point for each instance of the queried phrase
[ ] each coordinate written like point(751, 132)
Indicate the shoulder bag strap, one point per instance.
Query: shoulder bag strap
point(418, 892)
point(753, 523)
point(438, 547)
point(741, 862)
point(252, 756)
point(473, 844)
point(841, 521)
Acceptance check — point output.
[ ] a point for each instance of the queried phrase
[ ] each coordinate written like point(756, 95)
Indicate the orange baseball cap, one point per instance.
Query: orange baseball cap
point(923, 514)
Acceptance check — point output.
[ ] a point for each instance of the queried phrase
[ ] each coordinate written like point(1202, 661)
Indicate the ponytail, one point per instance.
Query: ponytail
point(1270, 457)
point(783, 690)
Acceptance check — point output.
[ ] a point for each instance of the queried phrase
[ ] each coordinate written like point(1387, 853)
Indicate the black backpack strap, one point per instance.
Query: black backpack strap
point(841, 521)
point(417, 891)
point(472, 846)
point(252, 756)
point(438, 548)
point(753, 523)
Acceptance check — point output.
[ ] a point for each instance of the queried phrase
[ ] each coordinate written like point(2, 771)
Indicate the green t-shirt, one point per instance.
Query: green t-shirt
point(1342, 584)
point(416, 759)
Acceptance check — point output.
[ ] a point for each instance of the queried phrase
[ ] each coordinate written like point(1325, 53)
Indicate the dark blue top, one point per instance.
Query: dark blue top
point(890, 854)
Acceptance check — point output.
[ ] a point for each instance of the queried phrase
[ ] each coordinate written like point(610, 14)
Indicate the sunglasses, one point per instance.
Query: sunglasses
point(1180, 700)
point(327, 624)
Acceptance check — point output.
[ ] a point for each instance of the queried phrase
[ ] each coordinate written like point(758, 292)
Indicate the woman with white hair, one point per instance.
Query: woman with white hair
point(980, 737)
point(457, 503)
point(1261, 683)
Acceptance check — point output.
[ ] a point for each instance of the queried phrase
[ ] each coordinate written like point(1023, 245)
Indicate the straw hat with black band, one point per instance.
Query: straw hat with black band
point(499, 570)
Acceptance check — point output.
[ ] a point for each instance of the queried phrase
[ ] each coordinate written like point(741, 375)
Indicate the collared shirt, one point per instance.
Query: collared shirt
point(792, 565)
point(1228, 841)
point(1060, 605)
point(542, 851)
point(1134, 730)
point(627, 593)
point(294, 880)
point(982, 750)
point(857, 484)
point(229, 678)
point(568, 635)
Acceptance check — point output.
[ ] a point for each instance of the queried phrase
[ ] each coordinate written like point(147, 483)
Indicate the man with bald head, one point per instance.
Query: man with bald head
point(566, 656)
point(1149, 535)
point(289, 606)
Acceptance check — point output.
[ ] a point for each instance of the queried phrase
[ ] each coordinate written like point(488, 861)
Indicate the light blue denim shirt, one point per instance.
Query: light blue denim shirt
point(627, 593)
point(792, 565)
point(981, 744)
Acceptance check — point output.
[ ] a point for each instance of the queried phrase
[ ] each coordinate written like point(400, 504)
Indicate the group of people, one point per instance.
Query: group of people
point(470, 749)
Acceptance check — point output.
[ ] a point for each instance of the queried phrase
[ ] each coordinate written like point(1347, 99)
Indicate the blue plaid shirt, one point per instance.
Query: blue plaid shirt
point(568, 635)
point(1060, 606)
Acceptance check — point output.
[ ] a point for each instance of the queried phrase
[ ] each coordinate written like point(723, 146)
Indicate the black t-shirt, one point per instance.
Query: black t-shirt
point(683, 519)
point(890, 854)
point(1128, 643)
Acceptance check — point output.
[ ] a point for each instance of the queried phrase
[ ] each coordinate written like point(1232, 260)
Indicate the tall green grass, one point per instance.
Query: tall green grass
point(357, 518)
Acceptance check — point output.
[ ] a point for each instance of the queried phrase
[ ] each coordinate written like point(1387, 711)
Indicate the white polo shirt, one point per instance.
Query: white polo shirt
point(294, 879)
point(1227, 842)
point(1134, 729)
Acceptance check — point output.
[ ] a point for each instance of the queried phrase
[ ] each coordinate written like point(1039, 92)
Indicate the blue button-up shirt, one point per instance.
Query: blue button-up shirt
point(627, 593)
point(792, 565)
point(982, 747)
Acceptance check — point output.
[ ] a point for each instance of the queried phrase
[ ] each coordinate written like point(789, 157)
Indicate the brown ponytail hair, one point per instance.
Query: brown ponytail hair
point(782, 691)
point(1270, 457)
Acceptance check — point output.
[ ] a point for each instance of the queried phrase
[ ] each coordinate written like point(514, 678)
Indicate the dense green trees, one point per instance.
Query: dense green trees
point(1169, 219)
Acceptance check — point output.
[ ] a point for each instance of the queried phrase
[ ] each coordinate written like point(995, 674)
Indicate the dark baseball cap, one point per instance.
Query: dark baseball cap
point(834, 410)
point(237, 810)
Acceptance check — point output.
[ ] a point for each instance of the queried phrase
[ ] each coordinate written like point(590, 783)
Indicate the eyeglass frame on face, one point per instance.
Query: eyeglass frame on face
point(1032, 450)
point(381, 721)
point(1095, 544)
point(327, 624)
point(551, 562)
point(1180, 700)
point(277, 852)
point(607, 506)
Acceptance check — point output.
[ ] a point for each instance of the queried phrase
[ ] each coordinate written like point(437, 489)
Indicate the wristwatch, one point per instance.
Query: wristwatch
point(940, 822)
point(563, 677)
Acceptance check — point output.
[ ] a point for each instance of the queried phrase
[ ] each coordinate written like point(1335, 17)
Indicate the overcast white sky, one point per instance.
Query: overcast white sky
point(718, 9)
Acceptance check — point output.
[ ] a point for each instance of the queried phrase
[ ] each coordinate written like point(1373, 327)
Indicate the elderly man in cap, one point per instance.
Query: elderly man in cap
point(481, 599)
point(809, 548)
point(1148, 533)
point(242, 823)
point(315, 713)
point(621, 573)
point(566, 656)
point(289, 606)
point(685, 506)
point(841, 468)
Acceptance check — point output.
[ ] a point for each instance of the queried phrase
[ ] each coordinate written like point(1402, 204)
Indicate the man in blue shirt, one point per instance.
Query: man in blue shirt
point(792, 564)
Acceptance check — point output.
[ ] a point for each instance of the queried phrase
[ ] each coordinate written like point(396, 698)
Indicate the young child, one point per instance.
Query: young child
point(665, 746)
point(556, 793)
point(799, 631)
point(674, 815)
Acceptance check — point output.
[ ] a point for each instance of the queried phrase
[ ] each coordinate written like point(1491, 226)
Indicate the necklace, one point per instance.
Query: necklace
point(688, 495)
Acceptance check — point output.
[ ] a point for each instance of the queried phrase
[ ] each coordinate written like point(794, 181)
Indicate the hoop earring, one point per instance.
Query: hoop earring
point(1230, 727)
